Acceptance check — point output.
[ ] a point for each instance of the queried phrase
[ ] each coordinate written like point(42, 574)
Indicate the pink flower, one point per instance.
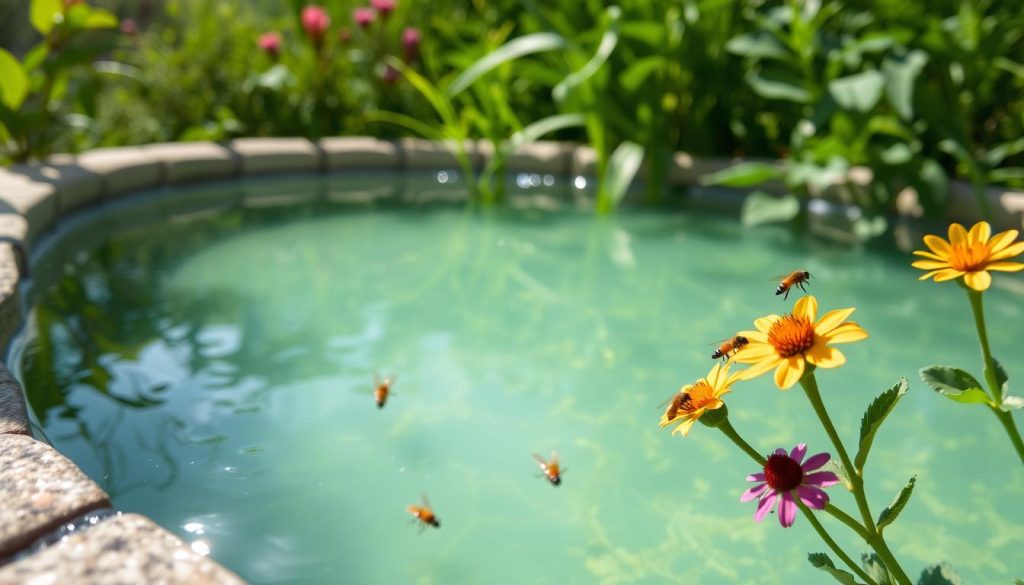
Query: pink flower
point(129, 27)
point(384, 7)
point(410, 44)
point(785, 474)
point(315, 22)
point(364, 17)
point(270, 43)
point(390, 75)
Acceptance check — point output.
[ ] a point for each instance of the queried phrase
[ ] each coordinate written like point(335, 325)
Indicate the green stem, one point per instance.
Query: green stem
point(832, 544)
point(995, 392)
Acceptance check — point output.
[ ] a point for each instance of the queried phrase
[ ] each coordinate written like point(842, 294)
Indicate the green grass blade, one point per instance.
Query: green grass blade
point(623, 165)
point(510, 51)
point(609, 41)
point(408, 122)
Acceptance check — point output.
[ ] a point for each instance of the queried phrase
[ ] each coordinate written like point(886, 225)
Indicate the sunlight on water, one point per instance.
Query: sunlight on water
point(216, 374)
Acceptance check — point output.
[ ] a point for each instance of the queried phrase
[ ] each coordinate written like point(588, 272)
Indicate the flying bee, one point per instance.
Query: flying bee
point(796, 278)
point(424, 514)
point(729, 347)
point(550, 468)
point(381, 389)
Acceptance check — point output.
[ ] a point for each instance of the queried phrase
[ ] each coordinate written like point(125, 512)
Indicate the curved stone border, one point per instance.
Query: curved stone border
point(42, 491)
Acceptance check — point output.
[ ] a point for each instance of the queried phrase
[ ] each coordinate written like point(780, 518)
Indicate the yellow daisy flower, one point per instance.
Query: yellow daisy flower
point(970, 255)
point(694, 400)
point(787, 342)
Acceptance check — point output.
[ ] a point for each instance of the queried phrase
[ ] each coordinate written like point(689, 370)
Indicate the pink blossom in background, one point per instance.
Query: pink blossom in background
point(410, 44)
point(315, 21)
point(364, 17)
point(270, 43)
point(384, 7)
point(129, 27)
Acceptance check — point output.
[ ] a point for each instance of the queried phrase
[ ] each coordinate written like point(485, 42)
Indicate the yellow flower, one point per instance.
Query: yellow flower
point(693, 401)
point(970, 255)
point(786, 342)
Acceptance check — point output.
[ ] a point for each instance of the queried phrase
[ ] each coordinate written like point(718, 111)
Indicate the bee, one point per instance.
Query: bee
point(729, 346)
point(550, 468)
point(424, 514)
point(795, 278)
point(381, 389)
point(680, 401)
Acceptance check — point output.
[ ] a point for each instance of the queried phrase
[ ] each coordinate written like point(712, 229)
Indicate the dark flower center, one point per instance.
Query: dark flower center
point(791, 335)
point(782, 472)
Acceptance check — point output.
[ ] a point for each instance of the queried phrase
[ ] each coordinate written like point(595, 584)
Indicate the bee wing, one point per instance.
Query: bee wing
point(721, 341)
point(426, 502)
point(779, 277)
point(540, 460)
point(664, 403)
point(554, 457)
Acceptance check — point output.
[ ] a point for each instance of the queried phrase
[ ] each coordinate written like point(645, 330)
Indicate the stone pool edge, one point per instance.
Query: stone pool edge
point(42, 491)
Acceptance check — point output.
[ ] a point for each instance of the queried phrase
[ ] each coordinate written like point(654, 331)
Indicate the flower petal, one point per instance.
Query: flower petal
point(789, 372)
point(815, 461)
point(759, 476)
point(787, 510)
point(938, 245)
point(798, 452)
point(759, 368)
point(764, 324)
point(765, 506)
point(754, 352)
point(831, 320)
point(980, 232)
point(846, 333)
point(929, 255)
point(812, 497)
point(821, 479)
point(1002, 240)
point(687, 422)
point(825, 356)
point(753, 492)
point(754, 336)
point(930, 264)
point(957, 234)
point(806, 306)
point(948, 274)
point(979, 281)
point(1008, 252)
point(712, 377)
point(1005, 266)
point(780, 451)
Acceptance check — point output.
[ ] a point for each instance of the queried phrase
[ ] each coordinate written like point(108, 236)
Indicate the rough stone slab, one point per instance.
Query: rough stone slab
point(124, 170)
point(14, 231)
point(276, 155)
point(13, 412)
point(584, 162)
point(360, 153)
point(128, 549)
point(73, 185)
point(422, 154)
point(33, 200)
point(10, 297)
point(185, 162)
point(544, 157)
point(40, 489)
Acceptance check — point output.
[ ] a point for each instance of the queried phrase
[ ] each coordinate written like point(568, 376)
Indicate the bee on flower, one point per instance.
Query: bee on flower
point(698, 399)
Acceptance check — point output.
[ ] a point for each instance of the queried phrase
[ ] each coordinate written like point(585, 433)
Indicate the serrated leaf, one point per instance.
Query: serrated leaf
point(1018, 582)
point(940, 574)
point(760, 208)
point(13, 81)
point(875, 569)
point(743, 175)
point(874, 416)
point(954, 384)
point(858, 92)
point(44, 14)
point(1011, 402)
point(889, 514)
point(823, 562)
point(1001, 379)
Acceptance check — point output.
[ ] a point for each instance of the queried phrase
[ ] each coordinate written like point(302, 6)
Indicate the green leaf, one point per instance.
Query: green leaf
point(899, 81)
point(100, 18)
point(1018, 582)
point(897, 154)
point(760, 208)
point(858, 92)
point(1002, 379)
point(889, 514)
point(609, 40)
point(1011, 402)
point(777, 88)
point(510, 51)
point(439, 100)
point(874, 416)
point(823, 562)
point(758, 46)
point(623, 165)
point(743, 175)
point(44, 14)
point(1007, 174)
point(546, 126)
point(954, 384)
point(940, 574)
point(13, 81)
point(932, 184)
point(414, 125)
point(637, 73)
point(875, 569)
point(995, 156)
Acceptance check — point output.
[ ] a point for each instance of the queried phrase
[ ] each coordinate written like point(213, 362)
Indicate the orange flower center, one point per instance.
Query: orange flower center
point(696, 396)
point(968, 257)
point(791, 335)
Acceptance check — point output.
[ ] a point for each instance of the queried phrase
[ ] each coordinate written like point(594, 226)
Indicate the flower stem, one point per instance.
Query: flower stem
point(832, 544)
point(995, 391)
point(874, 537)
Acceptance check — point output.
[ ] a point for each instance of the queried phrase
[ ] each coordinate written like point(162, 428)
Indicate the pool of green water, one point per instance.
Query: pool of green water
point(215, 373)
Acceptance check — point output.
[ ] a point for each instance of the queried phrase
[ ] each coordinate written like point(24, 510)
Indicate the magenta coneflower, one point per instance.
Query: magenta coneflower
point(315, 21)
point(270, 43)
point(785, 474)
point(410, 44)
point(364, 17)
point(384, 7)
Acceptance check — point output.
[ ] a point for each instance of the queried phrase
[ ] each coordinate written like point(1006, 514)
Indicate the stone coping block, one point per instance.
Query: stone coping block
point(184, 162)
point(40, 489)
point(73, 185)
point(422, 154)
point(359, 153)
point(124, 170)
point(35, 201)
point(13, 412)
point(276, 155)
point(583, 162)
point(10, 295)
point(544, 157)
point(126, 549)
